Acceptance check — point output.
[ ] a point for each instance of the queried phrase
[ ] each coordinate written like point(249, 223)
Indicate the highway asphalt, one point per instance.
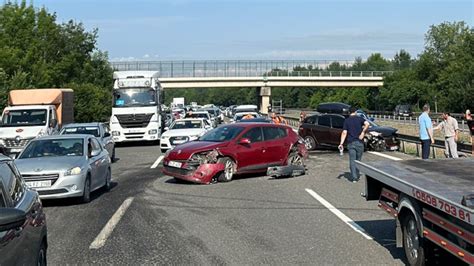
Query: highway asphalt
point(251, 220)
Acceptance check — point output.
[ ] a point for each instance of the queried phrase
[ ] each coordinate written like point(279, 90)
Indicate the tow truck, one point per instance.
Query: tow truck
point(432, 202)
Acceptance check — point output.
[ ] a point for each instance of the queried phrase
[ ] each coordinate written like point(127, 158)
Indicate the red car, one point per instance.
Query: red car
point(235, 149)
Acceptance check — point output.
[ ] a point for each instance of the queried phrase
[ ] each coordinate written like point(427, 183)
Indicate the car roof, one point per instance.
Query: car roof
point(67, 136)
point(91, 124)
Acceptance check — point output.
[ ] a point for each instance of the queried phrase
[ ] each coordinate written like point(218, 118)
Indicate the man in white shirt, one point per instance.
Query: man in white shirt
point(450, 129)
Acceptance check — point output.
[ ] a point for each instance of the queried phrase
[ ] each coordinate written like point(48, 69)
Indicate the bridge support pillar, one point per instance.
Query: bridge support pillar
point(265, 93)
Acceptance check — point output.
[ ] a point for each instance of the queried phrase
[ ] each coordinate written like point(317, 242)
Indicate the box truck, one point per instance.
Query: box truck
point(32, 113)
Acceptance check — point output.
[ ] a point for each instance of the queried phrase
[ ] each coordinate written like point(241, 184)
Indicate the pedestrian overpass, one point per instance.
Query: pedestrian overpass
point(254, 74)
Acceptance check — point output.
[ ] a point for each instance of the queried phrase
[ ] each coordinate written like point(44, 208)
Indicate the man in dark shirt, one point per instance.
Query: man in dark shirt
point(354, 131)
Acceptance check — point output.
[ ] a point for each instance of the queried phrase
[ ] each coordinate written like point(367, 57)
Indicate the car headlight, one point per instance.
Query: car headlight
point(152, 131)
point(40, 134)
point(2, 142)
point(194, 137)
point(204, 157)
point(375, 134)
point(73, 171)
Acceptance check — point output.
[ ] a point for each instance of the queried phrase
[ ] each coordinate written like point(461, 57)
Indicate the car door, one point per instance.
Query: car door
point(101, 161)
point(250, 157)
point(337, 123)
point(322, 130)
point(23, 242)
point(276, 145)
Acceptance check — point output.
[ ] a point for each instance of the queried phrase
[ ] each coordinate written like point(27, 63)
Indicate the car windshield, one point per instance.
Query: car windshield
point(33, 117)
point(222, 134)
point(134, 97)
point(186, 124)
point(81, 130)
point(53, 148)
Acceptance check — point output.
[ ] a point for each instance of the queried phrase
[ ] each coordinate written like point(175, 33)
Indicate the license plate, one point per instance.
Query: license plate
point(175, 164)
point(134, 131)
point(38, 184)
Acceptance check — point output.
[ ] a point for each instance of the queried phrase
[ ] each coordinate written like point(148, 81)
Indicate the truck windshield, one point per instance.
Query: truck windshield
point(34, 117)
point(134, 97)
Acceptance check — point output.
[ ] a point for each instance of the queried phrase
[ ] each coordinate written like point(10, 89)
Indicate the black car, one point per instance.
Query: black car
point(333, 108)
point(403, 110)
point(325, 130)
point(23, 233)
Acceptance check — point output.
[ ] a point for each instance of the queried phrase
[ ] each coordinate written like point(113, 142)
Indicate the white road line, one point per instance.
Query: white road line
point(339, 214)
point(99, 241)
point(385, 156)
point(157, 162)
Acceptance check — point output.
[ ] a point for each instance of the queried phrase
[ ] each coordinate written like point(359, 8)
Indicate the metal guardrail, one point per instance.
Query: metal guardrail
point(241, 68)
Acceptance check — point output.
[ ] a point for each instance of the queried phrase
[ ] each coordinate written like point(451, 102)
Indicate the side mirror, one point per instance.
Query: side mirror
point(166, 129)
point(244, 141)
point(106, 134)
point(94, 153)
point(11, 218)
point(54, 122)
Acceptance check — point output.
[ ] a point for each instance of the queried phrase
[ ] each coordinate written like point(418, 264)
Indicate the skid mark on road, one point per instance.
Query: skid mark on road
point(157, 162)
point(385, 156)
point(339, 214)
point(99, 241)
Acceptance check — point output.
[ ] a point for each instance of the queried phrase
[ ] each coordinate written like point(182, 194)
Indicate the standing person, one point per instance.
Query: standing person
point(426, 132)
point(302, 117)
point(450, 129)
point(470, 124)
point(354, 131)
point(278, 119)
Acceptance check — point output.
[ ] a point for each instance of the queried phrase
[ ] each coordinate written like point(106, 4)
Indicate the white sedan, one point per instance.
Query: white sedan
point(182, 131)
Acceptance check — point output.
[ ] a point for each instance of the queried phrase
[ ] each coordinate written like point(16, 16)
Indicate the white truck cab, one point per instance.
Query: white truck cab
point(136, 110)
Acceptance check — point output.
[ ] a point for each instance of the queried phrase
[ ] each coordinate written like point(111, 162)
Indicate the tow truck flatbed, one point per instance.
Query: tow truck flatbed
point(448, 180)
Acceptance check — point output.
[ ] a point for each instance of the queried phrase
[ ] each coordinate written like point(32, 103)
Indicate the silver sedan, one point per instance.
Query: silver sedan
point(63, 166)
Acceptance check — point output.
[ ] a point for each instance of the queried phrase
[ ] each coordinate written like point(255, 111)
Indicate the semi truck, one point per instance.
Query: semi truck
point(433, 204)
point(33, 113)
point(136, 109)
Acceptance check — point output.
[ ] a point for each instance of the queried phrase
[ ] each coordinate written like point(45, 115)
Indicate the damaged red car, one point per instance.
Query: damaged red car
point(235, 149)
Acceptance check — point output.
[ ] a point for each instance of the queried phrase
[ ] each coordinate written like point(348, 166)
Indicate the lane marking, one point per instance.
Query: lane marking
point(385, 156)
point(157, 162)
point(339, 214)
point(99, 241)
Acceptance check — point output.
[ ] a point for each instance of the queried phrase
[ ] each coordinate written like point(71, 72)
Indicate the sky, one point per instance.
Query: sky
point(258, 29)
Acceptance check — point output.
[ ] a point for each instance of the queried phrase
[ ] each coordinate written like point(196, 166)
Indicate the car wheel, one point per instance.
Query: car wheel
point(412, 241)
point(108, 180)
point(310, 143)
point(295, 159)
point(229, 169)
point(86, 196)
point(163, 151)
point(41, 257)
point(112, 158)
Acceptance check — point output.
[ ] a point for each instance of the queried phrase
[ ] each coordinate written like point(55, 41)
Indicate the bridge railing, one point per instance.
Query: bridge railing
point(241, 68)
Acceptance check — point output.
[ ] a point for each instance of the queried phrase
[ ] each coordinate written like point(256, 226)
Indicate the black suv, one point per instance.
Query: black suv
point(22, 220)
point(403, 110)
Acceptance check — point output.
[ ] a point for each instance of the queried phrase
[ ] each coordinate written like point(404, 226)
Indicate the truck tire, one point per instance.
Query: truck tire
point(413, 241)
point(229, 169)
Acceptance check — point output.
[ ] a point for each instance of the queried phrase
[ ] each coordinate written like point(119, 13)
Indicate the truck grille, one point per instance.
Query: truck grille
point(134, 120)
point(12, 143)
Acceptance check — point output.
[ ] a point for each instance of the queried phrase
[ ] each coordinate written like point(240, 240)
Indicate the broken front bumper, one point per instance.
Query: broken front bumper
point(203, 174)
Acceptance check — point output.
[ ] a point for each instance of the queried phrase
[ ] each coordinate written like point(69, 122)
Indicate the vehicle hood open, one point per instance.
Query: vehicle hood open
point(386, 131)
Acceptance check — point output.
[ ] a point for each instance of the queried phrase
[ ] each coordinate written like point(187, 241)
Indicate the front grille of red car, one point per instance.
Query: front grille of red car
point(178, 171)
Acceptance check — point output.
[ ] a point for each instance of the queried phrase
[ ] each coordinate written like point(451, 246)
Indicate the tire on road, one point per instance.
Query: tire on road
point(86, 195)
point(112, 157)
point(108, 180)
point(229, 169)
point(413, 241)
point(41, 255)
point(163, 151)
point(310, 143)
point(294, 158)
